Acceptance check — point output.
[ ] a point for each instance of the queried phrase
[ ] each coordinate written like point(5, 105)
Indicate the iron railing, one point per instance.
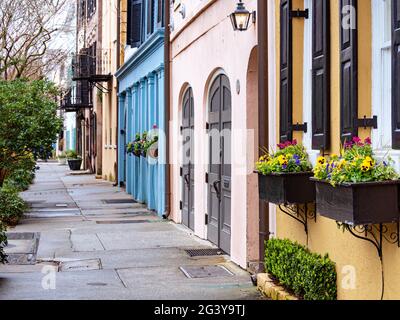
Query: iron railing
point(77, 97)
point(93, 65)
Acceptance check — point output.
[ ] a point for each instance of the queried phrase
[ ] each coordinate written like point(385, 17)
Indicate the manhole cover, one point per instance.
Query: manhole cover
point(122, 221)
point(194, 272)
point(80, 265)
point(204, 252)
point(119, 201)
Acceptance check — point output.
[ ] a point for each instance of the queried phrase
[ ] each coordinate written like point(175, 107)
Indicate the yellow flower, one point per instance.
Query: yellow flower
point(282, 160)
point(341, 164)
point(366, 166)
point(369, 160)
point(321, 161)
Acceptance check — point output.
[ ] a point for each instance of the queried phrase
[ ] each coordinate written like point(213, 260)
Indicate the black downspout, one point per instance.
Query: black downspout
point(263, 125)
point(167, 92)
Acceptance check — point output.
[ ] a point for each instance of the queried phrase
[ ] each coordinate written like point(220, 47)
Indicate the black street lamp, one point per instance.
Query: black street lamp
point(241, 17)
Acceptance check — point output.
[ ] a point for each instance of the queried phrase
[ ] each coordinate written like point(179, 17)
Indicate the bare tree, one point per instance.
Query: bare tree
point(26, 30)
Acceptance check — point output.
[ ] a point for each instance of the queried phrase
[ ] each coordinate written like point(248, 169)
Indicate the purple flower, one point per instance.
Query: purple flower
point(368, 141)
point(284, 167)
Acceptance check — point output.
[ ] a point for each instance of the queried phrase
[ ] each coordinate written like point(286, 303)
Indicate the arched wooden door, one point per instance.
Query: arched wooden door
point(219, 172)
point(188, 160)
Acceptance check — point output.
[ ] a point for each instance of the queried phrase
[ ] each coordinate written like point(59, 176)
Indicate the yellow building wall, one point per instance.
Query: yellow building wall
point(109, 96)
point(357, 261)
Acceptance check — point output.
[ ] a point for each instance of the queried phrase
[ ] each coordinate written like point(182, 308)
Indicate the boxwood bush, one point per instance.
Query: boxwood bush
point(12, 207)
point(3, 243)
point(20, 180)
point(307, 274)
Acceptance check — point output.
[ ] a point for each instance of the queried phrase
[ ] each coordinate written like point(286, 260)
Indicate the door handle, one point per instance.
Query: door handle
point(217, 189)
point(186, 177)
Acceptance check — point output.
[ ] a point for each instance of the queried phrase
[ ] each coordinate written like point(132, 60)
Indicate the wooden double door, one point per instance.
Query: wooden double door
point(219, 182)
point(188, 160)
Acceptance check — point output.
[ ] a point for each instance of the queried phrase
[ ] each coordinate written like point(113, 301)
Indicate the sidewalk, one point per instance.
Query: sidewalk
point(81, 247)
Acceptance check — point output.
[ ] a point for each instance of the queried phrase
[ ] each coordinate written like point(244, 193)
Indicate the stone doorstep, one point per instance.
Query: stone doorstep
point(266, 285)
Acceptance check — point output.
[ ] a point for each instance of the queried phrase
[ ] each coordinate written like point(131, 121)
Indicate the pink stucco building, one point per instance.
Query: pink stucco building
point(213, 90)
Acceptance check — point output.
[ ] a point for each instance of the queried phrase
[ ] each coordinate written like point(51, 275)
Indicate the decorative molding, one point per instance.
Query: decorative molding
point(155, 41)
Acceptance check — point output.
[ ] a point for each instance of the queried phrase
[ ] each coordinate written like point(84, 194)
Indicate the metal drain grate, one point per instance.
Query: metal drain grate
point(119, 201)
point(195, 272)
point(122, 221)
point(204, 252)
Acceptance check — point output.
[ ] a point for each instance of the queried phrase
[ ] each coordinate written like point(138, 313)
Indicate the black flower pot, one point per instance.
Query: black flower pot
point(75, 164)
point(287, 188)
point(359, 203)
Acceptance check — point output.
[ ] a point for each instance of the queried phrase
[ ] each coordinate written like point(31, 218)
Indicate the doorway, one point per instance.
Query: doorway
point(219, 184)
point(188, 160)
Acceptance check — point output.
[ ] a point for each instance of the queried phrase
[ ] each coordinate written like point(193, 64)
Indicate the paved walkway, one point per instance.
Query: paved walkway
point(88, 249)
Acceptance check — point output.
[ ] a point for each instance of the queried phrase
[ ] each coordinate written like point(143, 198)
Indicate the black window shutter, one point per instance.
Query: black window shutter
point(150, 16)
point(134, 23)
point(348, 74)
point(396, 74)
point(160, 13)
point(286, 71)
point(320, 75)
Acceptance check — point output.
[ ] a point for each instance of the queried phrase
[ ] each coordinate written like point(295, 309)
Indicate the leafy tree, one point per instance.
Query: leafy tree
point(29, 123)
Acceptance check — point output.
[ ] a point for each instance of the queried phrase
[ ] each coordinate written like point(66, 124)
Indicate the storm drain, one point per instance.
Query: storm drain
point(80, 265)
point(195, 272)
point(119, 201)
point(50, 205)
point(122, 221)
point(204, 252)
point(22, 248)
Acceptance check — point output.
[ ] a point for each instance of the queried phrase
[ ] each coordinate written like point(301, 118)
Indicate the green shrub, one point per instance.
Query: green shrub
point(12, 207)
point(3, 243)
point(307, 274)
point(20, 180)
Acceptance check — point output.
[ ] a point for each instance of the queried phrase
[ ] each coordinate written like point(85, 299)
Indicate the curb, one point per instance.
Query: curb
point(266, 285)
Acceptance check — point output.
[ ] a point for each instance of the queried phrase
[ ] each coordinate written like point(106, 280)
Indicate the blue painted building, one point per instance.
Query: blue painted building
point(141, 102)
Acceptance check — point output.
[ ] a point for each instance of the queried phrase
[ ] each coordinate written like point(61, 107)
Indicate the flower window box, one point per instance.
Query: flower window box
point(359, 203)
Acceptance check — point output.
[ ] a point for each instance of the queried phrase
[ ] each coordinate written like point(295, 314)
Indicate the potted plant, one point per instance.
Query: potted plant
point(135, 146)
point(356, 189)
point(74, 160)
point(151, 145)
point(284, 176)
point(62, 158)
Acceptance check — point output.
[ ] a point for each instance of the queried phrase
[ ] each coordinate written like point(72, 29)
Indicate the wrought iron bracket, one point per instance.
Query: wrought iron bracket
point(299, 14)
point(366, 122)
point(101, 88)
point(300, 127)
point(301, 213)
point(376, 235)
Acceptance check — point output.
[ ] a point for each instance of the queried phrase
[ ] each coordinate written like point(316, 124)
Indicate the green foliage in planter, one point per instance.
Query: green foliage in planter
point(72, 155)
point(307, 274)
point(290, 158)
point(3, 243)
point(12, 207)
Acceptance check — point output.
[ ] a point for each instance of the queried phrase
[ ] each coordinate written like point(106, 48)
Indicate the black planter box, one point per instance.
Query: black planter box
point(287, 188)
point(359, 203)
point(75, 164)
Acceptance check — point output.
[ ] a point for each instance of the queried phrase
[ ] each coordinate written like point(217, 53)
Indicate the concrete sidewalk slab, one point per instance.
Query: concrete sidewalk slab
point(136, 260)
